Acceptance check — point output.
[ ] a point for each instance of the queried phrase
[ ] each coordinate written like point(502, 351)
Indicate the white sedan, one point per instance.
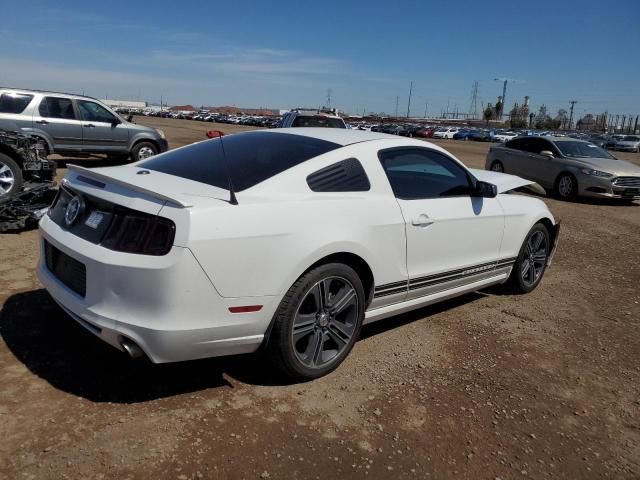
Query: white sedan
point(446, 132)
point(290, 239)
point(505, 136)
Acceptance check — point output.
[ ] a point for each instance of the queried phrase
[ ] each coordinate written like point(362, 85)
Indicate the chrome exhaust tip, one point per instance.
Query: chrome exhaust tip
point(131, 348)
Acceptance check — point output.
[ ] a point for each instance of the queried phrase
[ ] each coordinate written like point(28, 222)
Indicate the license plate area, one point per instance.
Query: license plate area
point(71, 272)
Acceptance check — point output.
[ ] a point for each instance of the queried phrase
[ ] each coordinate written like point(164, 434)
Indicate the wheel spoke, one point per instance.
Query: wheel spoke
point(537, 240)
point(347, 298)
point(7, 180)
point(303, 325)
point(317, 343)
point(526, 266)
point(340, 342)
point(540, 256)
point(4, 168)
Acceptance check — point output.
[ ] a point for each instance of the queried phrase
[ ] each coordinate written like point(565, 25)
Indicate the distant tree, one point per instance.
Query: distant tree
point(489, 113)
point(588, 122)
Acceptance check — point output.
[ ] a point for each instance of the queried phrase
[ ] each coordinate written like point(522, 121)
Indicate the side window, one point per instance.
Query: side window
point(54, 107)
point(421, 173)
point(92, 112)
point(518, 144)
point(345, 176)
point(14, 102)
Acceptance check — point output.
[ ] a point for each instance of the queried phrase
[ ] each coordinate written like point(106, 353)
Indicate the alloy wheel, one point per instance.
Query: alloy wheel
point(325, 322)
point(565, 186)
point(535, 258)
point(7, 179)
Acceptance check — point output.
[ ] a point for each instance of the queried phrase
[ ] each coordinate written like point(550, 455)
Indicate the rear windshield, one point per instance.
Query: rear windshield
point(251, 158)
point(318, 121)
point(14, 102)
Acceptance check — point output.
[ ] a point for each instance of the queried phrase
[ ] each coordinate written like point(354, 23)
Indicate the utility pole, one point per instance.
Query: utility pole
point(572, 102)
point(409, 102)
point(397, 101)
point(426, 105)
point(328, 98)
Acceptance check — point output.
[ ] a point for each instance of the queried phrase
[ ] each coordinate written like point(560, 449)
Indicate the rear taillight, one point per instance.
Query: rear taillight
point(140, 233)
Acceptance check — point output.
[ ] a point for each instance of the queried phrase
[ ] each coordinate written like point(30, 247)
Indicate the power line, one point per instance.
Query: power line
point(473, 108)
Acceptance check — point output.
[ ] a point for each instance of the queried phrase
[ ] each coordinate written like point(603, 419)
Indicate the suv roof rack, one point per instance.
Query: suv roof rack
point(46, 91)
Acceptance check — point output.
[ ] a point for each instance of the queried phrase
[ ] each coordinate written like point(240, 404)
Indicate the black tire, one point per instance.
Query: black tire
point(497, 166)
point(140, 150)
point(283, 351)
point(10, 177)
point(519, 281)
point(562, 191)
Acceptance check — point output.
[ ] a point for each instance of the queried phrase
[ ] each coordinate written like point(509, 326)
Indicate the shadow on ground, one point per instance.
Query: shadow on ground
point(89, 162)
point(55, 348)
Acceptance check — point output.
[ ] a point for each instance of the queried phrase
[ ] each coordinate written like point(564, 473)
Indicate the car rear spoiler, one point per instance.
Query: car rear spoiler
point(99, 180)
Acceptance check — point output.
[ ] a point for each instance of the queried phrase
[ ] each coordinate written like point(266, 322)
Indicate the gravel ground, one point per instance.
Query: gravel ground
point(545, 385)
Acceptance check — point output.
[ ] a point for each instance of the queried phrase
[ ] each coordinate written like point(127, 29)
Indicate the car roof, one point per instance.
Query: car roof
point(340, 136)
point(46, 92)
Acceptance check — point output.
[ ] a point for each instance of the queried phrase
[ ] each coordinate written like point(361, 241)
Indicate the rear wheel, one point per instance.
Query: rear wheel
point(317, 322)
point(10, 177)
point(566, 186)
point(497, 166)
point(532, 260)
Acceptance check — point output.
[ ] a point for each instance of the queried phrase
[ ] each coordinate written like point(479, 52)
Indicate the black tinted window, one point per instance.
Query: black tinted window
point(420, 173)
point(54, 107)
point(517, 144)
point(92, 112)
point(251, 158)
point(14, 102)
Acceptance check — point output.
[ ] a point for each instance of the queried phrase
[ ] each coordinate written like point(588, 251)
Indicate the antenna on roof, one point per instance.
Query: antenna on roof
point(232, 191)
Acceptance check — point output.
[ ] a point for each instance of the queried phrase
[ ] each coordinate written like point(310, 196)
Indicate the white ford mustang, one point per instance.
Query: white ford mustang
point(290, 239)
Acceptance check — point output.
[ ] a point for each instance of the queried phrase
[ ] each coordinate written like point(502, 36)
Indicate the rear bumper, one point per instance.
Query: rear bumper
point(166, 305)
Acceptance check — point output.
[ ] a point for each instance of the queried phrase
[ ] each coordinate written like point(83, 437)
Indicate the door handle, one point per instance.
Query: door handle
point(421, 220)
point(90, 125)
point(42, 122)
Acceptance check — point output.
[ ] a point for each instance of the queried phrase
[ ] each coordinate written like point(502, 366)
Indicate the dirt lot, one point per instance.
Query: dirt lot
point(487, 386)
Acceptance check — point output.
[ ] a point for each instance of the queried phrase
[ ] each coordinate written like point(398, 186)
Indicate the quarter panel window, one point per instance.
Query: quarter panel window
point(55, 107)
point(14, 103)
point(421, 173)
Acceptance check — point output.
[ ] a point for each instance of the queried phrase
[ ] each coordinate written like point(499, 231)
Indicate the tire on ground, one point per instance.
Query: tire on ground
point(135, 151)
point(516, 283)
point(280, 349)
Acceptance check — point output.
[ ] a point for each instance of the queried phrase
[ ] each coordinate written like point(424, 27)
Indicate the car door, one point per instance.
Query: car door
point(101, 130)
point(515, 156)
point(57, 117)
point(453, 237)
point(538, 167)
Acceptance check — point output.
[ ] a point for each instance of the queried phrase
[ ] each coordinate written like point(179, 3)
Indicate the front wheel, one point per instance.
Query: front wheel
point(143, 150)
point(566, 187)
point(532, 260)
point(497, 166)
point(317, 322)
point(10, 177)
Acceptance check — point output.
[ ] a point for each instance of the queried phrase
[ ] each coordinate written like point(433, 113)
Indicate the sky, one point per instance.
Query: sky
point(288, 53)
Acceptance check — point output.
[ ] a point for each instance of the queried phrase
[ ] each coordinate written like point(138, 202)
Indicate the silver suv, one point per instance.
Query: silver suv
point(75, 125)
point(305, 117)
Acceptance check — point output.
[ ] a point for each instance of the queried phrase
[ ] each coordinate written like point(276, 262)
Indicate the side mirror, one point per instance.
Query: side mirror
point(547, 153)
point(485, 190)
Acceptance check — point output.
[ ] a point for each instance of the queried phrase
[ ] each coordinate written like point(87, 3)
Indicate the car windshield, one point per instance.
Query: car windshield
point(250, 158)
point(578, 149)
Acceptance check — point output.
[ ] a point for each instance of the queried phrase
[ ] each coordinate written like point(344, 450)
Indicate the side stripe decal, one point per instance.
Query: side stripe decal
point(443, 277)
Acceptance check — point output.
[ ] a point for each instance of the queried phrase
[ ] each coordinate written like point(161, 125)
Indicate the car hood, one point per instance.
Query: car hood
point(615, 167)
point(505, 182)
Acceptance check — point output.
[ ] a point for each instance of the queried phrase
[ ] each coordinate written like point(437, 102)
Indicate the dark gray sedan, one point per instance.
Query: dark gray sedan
point(567, 167)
